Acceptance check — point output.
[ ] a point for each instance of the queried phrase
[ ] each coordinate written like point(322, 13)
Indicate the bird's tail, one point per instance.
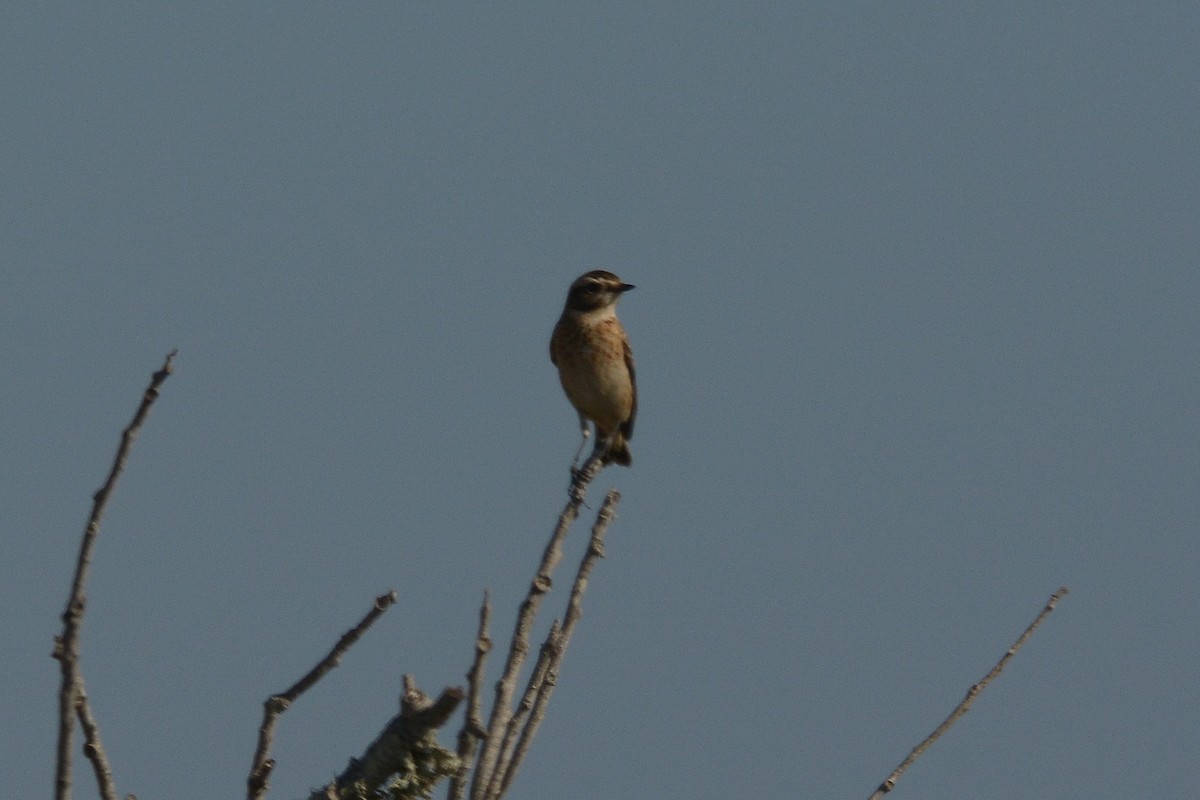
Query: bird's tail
point(617, 450)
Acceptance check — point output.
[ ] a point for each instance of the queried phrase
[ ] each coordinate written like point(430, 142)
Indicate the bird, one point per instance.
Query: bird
point(595, 364)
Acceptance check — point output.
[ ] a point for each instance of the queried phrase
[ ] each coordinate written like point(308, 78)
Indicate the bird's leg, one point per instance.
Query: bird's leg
point(583, 427)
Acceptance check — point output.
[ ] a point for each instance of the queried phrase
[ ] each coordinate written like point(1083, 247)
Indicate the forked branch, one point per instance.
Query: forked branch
point(495, 758)
point(405, 760)
point(545, 678)
point(260, 770)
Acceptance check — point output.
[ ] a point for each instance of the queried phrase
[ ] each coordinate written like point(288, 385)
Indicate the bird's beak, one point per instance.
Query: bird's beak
point(625, 287)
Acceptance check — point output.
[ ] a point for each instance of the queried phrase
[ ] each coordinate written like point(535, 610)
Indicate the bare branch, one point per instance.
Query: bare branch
point(472, 729)
point(972, 693)
point(595, 551)
point(519, 646)
point(516, 723)
point(92, 747)
point(66, 648)
point(276, 704)
point(556, 645)
point(581, 478)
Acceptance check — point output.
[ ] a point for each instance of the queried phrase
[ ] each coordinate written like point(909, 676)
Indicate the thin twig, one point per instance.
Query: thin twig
point(516, 723)
point(92, 746)
point(483, 646)
point(554, 647)
point(556, 643)
point(66, 648)
point(276, 704)
point(972, 693)
point(519, 646)
point(472, 728)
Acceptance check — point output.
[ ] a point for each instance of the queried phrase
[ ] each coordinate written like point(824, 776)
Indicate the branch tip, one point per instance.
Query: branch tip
point(275, 705)
point(972, 693)
point(72, 700)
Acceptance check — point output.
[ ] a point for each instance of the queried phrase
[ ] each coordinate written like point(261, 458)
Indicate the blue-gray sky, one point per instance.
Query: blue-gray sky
point(917, 335)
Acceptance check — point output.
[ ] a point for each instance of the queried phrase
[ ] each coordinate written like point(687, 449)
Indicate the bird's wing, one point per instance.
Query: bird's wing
point(627, 426)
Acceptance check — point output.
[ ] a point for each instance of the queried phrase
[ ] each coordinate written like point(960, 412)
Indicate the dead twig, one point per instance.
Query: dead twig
point(554, 649)
point(519, 645)
point(71, 699)
point(472, 729)
point(276, 704)
point(972, 693)
point(92, 747)
point(516, 723)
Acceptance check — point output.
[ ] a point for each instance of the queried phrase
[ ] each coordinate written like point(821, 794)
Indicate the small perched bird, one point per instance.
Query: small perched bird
point(595, 364)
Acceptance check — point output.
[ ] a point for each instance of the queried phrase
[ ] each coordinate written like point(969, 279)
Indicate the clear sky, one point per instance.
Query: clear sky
point(917, 329)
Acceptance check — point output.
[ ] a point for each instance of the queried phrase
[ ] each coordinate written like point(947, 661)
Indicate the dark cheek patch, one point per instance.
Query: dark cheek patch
point(584, 300)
